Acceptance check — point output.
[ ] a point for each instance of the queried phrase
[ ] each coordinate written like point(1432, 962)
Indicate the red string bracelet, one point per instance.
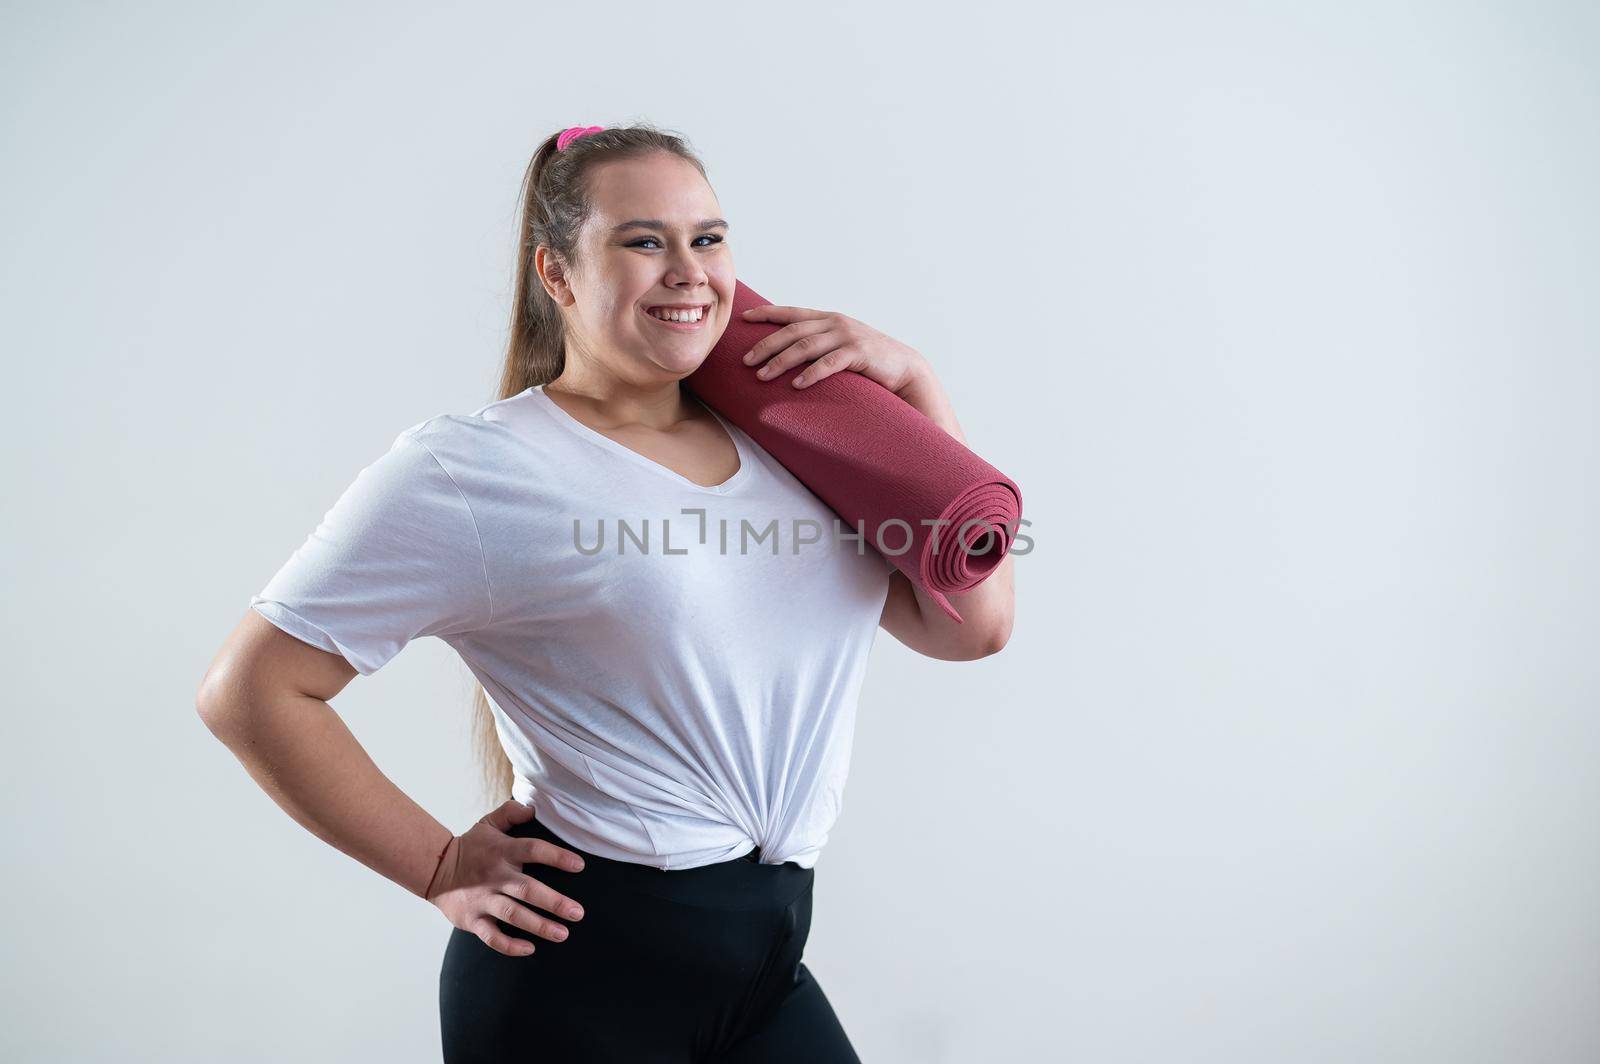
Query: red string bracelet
point(436, 866)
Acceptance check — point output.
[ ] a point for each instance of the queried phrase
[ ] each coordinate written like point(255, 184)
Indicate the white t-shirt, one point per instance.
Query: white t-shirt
point(681, 694)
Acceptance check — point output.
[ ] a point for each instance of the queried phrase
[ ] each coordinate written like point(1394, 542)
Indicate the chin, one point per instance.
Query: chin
point(681, 366)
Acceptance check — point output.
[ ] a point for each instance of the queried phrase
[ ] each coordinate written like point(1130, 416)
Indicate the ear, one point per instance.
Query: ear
point(552, 275)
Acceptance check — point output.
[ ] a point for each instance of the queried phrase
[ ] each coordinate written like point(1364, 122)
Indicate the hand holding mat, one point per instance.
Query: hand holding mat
point(879, 463)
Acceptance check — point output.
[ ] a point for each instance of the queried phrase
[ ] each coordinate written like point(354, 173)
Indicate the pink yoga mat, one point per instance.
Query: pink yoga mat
point(871, 457)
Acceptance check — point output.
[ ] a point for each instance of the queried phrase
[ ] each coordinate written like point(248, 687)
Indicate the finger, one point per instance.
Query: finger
point(768, 345)
point(528, 889)
point(826, 366)
point(509, 910)
point(771, 312)
point(498, 940)
point(542, 852)
point(508, 813)
point(806, 349)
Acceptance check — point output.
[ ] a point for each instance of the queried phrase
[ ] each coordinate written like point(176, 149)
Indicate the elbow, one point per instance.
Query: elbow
point(996, 638)
point(212, 709)
point(975, 640)
point(219, 702)
point(976, 643)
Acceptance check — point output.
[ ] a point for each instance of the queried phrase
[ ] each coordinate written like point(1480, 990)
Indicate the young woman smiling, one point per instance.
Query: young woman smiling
point(671, 733)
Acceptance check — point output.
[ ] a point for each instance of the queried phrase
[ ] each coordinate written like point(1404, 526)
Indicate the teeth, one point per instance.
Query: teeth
point(691, 315)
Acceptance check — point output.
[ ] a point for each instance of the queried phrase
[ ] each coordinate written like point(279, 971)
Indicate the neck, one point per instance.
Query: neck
point(616, 401)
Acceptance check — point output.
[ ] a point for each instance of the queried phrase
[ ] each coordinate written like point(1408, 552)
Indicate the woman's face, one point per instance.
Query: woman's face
point(654, 237)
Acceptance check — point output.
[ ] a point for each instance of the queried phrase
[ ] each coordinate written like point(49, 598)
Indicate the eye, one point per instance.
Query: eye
point(652, 240)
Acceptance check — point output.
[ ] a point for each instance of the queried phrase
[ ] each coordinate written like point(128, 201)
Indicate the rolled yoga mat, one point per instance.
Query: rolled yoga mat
point(872, 458)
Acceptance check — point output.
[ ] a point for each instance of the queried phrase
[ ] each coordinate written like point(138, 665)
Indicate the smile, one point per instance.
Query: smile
point(684, 326)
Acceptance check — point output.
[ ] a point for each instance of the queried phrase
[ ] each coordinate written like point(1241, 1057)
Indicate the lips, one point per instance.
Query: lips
point(682, 326)
point(705, 308)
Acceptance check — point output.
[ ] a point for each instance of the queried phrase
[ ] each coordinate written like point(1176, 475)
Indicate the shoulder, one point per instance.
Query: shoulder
point(502, 458)
point(474, 438)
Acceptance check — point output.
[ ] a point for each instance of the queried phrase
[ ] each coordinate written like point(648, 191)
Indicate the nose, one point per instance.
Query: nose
point(684, 270)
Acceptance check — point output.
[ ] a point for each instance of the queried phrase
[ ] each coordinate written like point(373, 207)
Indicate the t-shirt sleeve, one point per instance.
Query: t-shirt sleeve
point(397, 557)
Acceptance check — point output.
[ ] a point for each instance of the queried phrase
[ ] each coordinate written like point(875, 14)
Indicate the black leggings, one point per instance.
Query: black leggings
point(689, 966)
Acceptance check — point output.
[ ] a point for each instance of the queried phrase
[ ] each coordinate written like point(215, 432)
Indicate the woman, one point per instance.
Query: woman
point(674, 722)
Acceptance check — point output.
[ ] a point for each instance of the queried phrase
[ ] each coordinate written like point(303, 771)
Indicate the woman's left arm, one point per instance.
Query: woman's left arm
point(832, 342)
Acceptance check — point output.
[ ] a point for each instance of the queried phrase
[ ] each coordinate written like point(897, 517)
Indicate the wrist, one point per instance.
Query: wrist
point(927, 396)
point(920, 380)
point(438, 869)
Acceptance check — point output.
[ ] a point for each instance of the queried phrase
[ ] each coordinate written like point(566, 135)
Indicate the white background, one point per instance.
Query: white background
point(1281, 315)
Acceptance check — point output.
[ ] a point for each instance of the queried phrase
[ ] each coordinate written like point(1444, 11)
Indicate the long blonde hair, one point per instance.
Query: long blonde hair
point(555, 204)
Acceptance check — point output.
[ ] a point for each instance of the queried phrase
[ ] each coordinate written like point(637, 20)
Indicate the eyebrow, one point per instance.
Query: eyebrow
point(657, 223)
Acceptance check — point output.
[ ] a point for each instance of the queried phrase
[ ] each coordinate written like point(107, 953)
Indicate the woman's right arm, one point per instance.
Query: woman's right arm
point(266, 697)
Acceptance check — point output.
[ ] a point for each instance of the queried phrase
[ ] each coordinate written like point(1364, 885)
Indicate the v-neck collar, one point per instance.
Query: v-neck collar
point(578, 428)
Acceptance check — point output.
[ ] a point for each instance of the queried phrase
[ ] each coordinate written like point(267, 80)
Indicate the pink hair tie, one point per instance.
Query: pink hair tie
point(573, 133)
